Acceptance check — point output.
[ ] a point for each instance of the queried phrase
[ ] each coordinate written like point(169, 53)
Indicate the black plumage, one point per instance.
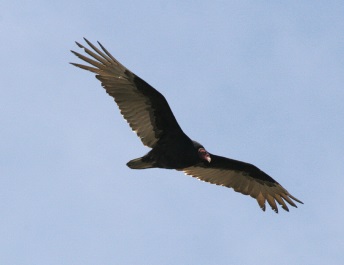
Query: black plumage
point(149, 115)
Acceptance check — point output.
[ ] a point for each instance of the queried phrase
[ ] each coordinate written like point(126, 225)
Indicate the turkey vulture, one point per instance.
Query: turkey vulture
point(150, 116)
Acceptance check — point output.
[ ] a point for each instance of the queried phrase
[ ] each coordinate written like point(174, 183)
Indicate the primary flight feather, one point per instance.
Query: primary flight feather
point(150, 116)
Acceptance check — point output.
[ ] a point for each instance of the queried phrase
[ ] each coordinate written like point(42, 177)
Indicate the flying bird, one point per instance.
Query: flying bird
point(151, 118)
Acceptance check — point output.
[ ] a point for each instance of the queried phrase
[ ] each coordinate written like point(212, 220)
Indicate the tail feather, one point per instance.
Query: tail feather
point(138, 163)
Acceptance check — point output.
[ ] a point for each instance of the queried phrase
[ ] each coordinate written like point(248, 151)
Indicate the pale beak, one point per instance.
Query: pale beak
point(208, 158)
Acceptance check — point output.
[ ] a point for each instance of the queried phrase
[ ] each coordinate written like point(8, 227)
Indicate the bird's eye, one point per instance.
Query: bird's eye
point(201, 151)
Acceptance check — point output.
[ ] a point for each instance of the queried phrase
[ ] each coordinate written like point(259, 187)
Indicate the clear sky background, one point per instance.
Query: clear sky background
point(258, 81)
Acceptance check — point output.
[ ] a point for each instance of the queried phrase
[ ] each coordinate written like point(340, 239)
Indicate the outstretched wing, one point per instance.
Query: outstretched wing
point(244, 178)
point(144, 108)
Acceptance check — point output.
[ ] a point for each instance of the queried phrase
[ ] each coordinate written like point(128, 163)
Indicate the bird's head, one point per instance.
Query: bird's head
point(202, 153)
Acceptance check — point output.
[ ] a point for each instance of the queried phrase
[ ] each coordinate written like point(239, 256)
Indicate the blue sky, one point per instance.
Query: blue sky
point(257, 81)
